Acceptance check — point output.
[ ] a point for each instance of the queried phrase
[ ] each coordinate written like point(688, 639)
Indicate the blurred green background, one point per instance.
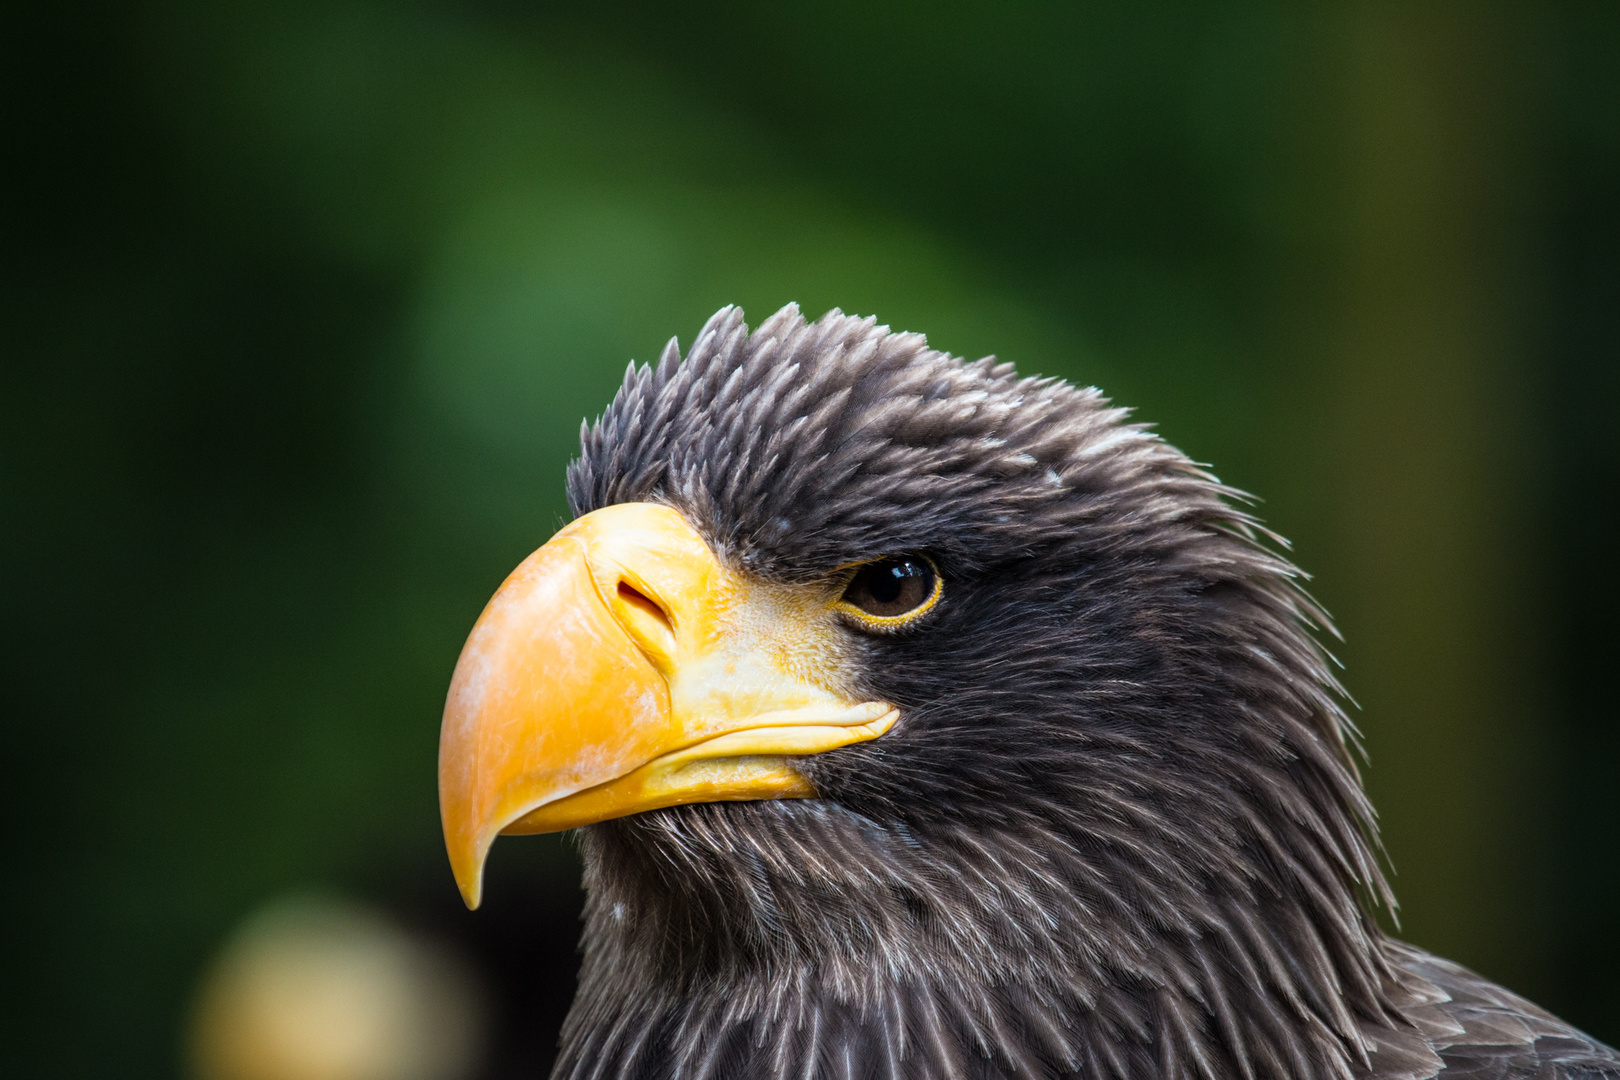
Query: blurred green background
point(304, 303)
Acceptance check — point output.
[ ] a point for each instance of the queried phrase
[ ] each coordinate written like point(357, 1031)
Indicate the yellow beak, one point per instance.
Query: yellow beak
point(622, 668)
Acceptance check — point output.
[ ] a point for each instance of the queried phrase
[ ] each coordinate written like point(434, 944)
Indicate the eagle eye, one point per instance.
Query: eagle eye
point(891, 592)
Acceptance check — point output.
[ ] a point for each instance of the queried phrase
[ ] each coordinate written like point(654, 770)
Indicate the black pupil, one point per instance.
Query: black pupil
point(891, 587)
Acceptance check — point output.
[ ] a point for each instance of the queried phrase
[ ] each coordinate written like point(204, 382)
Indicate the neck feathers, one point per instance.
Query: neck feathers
point(799, 939)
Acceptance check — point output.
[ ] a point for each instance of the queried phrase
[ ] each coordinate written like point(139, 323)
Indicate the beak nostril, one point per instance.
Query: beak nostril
point(647, 615)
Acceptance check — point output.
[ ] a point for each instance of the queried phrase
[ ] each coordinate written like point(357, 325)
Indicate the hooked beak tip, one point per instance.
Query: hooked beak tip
point(469, 874)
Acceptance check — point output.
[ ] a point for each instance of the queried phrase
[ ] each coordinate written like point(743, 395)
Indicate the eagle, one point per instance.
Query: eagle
point(921, 720)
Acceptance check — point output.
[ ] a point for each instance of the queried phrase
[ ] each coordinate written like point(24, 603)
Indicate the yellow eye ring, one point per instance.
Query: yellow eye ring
point(891, 592)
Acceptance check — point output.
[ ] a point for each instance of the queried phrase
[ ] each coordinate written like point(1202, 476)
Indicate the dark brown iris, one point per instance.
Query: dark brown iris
point(891, 587)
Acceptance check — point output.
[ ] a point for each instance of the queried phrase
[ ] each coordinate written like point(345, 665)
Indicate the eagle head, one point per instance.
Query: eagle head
point(920, 713)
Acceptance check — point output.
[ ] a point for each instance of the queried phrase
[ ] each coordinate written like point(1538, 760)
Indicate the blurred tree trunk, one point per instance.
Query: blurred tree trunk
point(1430, 563)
